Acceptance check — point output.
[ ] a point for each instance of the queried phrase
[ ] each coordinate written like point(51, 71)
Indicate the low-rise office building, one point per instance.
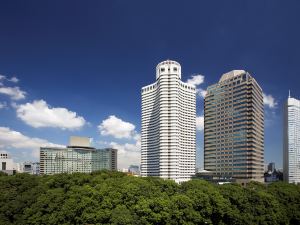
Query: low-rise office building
point(79, 156)
point(134, 169)
point(7, 164)
point(32, 168)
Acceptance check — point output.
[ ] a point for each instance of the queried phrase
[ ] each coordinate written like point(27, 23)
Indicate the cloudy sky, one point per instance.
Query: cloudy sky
point(77, 67)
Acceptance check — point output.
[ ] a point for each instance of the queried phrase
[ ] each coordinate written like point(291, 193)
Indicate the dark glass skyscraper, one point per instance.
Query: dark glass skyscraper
point(234, 127)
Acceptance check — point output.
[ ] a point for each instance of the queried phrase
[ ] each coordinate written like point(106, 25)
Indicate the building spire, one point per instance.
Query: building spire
point(289, 93)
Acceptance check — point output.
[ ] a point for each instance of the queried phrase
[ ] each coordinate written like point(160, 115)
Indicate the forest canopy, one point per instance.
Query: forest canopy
point(114, 198)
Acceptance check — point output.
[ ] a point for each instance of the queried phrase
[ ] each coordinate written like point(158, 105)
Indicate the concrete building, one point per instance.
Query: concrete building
point(291, 142)
point(168, 144)
point(7, 164)
point(32, 168)
point(271, 167)
point(212, 177)
point(234, 128)
point(27, 167)
point(76, 158)
point(134, 169)
point(18, 167)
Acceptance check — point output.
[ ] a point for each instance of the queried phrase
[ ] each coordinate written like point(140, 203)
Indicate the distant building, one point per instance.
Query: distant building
point(32, 168)
point(27, 167)
point(274, 176)
point(7, 164)
point(76, 158)
point(291, 142)
point(199, 169)
point(168, 140)
point(134, 169)
point(36, 168)
point(212, 177)
point(266, 167)
point(124, 170)
point(18, 167)
point(271, 167)
point(234, 128)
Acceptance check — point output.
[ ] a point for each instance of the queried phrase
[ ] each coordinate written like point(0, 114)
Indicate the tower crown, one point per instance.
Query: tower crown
point(168, 67)
point(231, 74)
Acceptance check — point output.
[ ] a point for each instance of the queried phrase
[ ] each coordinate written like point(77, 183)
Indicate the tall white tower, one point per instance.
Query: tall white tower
point(291, 144)
point(168, 125)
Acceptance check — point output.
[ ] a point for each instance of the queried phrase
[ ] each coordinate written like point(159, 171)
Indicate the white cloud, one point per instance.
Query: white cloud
point(113, 126)
point(15, 93)
point(128, 154)
point(14, 79)
point(196, 80)
point(14, 139)
point(137, 137)
point(201, 92)
point(39, 114)
point(269, 101)
point(200, 123)
point(3, 105)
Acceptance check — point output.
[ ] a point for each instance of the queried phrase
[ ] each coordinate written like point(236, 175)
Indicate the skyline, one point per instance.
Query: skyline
point(95, 60)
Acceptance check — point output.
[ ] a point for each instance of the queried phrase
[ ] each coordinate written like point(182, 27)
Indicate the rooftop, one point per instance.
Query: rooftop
point(231, 74)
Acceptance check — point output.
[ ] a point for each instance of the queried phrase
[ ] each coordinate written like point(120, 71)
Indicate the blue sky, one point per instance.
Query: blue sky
point(77, 67)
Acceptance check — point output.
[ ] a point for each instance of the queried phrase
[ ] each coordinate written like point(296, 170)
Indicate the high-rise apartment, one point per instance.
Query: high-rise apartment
point(291, 143)
point(168, 125)
point(234, 128)
point(77, 157)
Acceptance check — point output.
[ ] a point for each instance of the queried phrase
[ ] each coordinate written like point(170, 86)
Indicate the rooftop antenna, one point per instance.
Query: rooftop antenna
point(289, 93)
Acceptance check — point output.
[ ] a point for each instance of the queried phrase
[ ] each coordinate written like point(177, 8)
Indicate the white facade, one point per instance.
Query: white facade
point(7, 164)
point(168, 125)
point(291, 146)
point(32, 168)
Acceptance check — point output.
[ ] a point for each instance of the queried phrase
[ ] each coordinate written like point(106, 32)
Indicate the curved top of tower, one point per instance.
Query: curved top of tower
point(231, 74)
point(168, 62)
point(168, 67)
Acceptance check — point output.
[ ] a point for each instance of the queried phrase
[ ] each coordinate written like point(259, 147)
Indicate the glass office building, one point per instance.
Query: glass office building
point(83, 159)
point(234, 128)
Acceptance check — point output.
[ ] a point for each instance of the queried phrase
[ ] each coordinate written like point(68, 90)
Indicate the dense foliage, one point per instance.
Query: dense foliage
point(114, 198)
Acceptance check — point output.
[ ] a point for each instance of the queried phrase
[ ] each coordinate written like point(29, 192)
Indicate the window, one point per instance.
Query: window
point(175, 69)
point(162, 69)
point(3, 165)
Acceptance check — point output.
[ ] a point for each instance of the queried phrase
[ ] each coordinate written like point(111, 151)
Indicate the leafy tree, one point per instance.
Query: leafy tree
point(107, 197)
point(288, 196)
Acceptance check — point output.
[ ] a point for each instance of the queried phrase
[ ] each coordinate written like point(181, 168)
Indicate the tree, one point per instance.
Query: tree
point(107, 197)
